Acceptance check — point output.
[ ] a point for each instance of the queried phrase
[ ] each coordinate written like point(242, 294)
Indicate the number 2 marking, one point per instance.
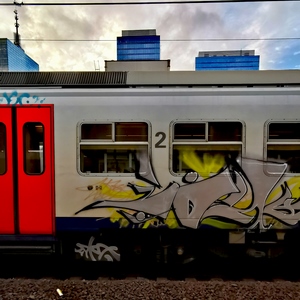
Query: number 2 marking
point(159, 143)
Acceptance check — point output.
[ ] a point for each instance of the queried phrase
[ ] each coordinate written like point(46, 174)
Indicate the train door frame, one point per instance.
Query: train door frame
point(31, 193)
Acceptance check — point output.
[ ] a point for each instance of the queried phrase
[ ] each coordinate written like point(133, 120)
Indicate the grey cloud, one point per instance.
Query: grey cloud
point(173, 22)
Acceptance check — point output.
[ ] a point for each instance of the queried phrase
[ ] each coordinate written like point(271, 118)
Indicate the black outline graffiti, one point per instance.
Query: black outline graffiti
point(149, 206)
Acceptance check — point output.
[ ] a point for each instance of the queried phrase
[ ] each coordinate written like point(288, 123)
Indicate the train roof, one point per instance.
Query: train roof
point(132, 79)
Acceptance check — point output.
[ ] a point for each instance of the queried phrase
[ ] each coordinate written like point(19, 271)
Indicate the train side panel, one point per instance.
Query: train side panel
point(77, 191)
point(208, 159)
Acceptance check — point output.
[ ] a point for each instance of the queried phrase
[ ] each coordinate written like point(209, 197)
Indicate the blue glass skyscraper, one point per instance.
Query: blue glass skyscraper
point(13, 58)
point(138, 45)
point(227, 60)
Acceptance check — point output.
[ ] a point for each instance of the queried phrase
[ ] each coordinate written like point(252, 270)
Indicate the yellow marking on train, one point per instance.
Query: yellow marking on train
point(206, 165)
point(219, 224)
point(294, 186)
point(171, 220)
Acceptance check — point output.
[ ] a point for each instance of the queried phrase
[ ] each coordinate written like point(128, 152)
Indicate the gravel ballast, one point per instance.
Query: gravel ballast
point(46, 289)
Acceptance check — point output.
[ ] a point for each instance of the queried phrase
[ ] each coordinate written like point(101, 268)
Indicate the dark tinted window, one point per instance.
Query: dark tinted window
point(284, 131)
point(33, 148)
point(131, 132)
point(225, 131)
point(96, 131)
point(189, 131)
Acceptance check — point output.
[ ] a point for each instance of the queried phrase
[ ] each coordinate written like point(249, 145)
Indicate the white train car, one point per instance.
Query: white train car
point(108, 166)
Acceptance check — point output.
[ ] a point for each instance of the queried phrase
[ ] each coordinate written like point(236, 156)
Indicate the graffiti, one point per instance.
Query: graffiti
point(19, 99)
point(233, 197)
point(108, 189)
point(286, 208)
point(98, 252)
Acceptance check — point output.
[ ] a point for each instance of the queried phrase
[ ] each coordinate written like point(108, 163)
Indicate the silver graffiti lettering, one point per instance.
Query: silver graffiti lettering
point(236, 194)
point(98, 251)
point(286, 208)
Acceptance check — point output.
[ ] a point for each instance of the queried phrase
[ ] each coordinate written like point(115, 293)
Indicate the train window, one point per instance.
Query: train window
point(2, 149)
point(109, 159)
point(117, 154)
point(33, 133)
point(283, 145)
point(189, 131)
point(204, 146)
point(225, 131)
point(284, 131)
point(131, 132)
point(96, 131)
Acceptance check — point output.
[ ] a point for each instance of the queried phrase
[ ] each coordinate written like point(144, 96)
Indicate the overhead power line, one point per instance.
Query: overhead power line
point(135, 2)
point(168, 40)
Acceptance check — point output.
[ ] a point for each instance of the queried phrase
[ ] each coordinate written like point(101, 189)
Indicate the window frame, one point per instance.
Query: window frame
point(109, 143)
point(37, 155)
point(279, 142)
point(204, 142)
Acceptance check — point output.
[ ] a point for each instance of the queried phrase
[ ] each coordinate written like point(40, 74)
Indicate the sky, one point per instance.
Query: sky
point(184, 30)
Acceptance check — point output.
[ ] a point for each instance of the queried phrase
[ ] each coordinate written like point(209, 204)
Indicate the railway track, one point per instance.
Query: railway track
point(211, 269)
point(47, 278)
point(141, 288)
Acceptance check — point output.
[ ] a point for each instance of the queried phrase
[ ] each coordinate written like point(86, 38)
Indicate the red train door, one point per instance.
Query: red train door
point(27, 182)
point(6, 173)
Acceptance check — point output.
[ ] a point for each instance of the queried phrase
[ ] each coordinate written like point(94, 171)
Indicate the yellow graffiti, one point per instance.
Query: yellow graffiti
point(246, 201)
point(226, 225)
point(276, 224)
point(219, 224)
point(170, 221)
point(110, 189)
point(205, 166)
point(116, 217)
point(293, 185)
point(149, 223)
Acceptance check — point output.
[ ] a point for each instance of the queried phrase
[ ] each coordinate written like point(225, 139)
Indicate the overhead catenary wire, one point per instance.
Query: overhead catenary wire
point(15, 3)
point(167, 40)
point(150, 2)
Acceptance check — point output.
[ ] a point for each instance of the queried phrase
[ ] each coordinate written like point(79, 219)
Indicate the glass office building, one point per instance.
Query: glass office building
point(13, 58)
point(138, 45)
point(227, 60)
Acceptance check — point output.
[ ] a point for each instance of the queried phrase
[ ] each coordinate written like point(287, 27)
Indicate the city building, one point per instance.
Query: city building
point(138, 50)
point(227, 60)
point(138, 45)
point(14, 58)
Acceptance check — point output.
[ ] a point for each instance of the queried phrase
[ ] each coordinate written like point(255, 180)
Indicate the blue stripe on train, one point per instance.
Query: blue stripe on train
point(83, 224)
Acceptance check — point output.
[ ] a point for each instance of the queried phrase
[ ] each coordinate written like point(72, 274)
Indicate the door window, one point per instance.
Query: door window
point(34, 148)
point(2, 149)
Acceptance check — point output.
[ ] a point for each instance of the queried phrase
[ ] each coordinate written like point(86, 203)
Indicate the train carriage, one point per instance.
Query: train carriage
point(159, 165)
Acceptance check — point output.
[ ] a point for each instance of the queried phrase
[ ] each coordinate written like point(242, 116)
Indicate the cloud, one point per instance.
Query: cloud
point(99, 26)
